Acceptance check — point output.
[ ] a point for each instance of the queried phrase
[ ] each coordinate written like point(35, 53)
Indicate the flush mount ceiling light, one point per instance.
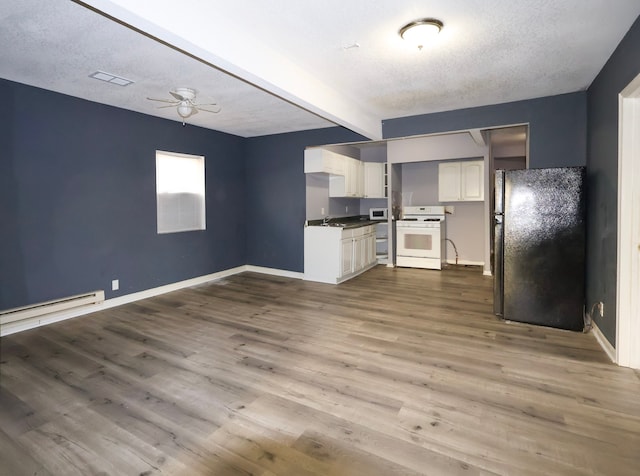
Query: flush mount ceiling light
point(420, 32)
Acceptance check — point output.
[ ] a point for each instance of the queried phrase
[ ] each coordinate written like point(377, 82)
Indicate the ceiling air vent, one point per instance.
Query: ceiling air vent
point(111, 78)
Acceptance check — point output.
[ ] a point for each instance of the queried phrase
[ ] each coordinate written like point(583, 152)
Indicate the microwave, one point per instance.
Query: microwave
point(378, 213)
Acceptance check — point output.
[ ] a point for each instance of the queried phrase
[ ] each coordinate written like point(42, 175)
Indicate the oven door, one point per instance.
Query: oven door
point(418, 240)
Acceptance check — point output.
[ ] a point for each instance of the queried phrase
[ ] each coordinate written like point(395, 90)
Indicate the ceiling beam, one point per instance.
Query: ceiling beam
point(228, 45)
point(478, 137)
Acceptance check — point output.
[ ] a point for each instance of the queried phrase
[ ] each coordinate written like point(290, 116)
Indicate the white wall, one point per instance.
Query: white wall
point(317, 195)
point(437, 147)
point(509, 163)
point(465, 227)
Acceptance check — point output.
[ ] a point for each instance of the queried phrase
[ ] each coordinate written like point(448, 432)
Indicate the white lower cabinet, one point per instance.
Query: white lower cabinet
point(346, 256)
point(333, 254)
point(360, 255)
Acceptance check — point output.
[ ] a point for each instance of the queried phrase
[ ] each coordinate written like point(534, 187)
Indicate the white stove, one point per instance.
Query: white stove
point(420, 239)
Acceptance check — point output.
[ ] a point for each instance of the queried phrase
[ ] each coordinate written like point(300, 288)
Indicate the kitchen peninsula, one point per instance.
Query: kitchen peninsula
point(339, 249)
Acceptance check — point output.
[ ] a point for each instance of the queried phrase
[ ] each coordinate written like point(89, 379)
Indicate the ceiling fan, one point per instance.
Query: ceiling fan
point(184, 102)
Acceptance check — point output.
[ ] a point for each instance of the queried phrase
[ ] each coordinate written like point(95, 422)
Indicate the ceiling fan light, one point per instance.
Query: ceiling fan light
point(421, 32)
point(185, 110)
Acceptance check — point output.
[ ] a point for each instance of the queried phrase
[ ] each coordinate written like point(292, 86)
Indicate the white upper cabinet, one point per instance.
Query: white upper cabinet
point(449, 182)
point(472, 180)
point(348, 177)
point(351, 183)
point(374, 180)
point(461, 181)
point(346, 174)
point(356, 178)
point(319, 160)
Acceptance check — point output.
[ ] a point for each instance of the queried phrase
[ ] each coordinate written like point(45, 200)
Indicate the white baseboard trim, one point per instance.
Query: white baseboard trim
point(487, 273)
point(19, 326)
point(604, 343)
point(464, 262)
point(274, 272)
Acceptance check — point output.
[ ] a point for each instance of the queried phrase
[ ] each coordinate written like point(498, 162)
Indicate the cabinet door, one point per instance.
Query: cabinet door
point(346, 256)
point(472, 180)
point(353, 178)
point(323, 161)
point(338, 186)
point(359, 179)
point(449, 182)
point(336, 162)
point(315, 160)
point(358, 250)
point(371, 248)
point(374, 180)
point(350, 182)
point(362, 249)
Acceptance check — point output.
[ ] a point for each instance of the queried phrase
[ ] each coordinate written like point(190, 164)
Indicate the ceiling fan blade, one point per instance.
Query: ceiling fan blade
point(179, 97)
point(164, 107)
point(170, 101)
point(216, 111)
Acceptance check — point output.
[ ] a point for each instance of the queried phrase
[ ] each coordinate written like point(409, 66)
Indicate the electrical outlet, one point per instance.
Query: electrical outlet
point(115, 284)
point(601, 308)
point(346, 209)
point(322, 211)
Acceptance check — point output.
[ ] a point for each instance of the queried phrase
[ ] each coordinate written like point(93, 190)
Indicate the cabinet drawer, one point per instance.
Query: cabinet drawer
point(347, 234)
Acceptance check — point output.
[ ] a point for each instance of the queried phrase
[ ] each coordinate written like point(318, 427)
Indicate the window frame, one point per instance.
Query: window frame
point(180, 194)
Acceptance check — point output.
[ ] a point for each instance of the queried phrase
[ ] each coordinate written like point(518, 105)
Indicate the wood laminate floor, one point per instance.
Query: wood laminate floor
point(396, 372)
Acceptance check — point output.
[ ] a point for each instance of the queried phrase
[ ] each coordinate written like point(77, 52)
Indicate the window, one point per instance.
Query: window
point(180, 192)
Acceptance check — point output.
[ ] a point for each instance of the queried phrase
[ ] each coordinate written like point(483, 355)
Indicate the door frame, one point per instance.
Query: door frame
point(628, 256)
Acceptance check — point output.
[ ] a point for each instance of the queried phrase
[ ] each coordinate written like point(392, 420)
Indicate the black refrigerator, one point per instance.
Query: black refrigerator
point(539, 247)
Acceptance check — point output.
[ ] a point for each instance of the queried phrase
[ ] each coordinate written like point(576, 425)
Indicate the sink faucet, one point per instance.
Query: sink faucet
point(325, 220)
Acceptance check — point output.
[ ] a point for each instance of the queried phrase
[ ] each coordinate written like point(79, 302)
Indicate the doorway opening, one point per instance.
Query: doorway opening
point(508, 150)
point(628, 300)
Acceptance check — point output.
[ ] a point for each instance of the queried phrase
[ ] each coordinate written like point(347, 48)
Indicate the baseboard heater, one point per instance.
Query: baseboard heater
point(50, 307)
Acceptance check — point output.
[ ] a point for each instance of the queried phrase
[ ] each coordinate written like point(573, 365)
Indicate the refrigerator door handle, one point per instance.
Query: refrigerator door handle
point(498, 265)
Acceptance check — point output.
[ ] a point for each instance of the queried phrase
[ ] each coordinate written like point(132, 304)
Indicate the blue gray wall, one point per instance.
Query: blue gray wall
point(275, 164)
point(77, 199)
point(557, 126)
point(602, 176)
point(276, 195)
point(77, 187)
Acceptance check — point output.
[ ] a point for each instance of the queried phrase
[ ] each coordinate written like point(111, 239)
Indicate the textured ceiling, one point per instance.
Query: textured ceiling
point(490, 51)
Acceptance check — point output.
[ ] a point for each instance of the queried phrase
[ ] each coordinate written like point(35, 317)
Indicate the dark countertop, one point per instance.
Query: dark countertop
point(344, 222)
